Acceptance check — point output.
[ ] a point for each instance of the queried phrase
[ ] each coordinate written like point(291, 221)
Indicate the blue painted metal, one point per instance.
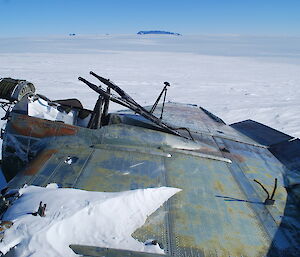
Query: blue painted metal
point(220, 210)
point(260, 132)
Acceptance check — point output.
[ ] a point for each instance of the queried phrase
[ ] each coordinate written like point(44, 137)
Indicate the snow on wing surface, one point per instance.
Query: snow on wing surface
point(80, 217)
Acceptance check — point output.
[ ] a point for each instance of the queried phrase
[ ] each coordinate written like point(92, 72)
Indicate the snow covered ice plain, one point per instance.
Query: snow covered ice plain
point(234, 77)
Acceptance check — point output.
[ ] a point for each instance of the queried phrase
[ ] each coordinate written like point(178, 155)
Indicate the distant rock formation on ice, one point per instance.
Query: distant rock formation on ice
point(144, 32)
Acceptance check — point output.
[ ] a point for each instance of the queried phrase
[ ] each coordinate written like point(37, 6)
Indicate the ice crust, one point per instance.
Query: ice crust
point(76, 216)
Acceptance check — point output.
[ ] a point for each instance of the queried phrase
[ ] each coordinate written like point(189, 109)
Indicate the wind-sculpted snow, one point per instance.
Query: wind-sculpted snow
point(80, 217)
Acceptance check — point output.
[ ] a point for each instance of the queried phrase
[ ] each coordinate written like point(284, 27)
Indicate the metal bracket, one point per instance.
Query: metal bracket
point(269, 200)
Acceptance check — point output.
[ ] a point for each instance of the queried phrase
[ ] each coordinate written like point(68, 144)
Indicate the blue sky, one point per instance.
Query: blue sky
point(54, 17)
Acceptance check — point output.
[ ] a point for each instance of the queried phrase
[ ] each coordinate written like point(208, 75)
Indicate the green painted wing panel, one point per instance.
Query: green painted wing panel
point(114, 170)
point(203, 223)
point(220, 210)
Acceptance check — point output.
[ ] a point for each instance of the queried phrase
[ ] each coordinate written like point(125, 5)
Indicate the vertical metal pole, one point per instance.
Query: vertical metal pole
point(163, 106)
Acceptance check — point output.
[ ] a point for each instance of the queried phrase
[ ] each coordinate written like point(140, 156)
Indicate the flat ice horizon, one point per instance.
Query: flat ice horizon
point(235, 77)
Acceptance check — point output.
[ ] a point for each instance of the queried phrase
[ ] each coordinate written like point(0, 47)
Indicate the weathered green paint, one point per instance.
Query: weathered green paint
point(220, 210)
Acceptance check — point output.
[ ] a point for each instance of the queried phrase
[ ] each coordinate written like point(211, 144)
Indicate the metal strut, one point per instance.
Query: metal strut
point(164, 91)
point(95, 121)
point(125, 100)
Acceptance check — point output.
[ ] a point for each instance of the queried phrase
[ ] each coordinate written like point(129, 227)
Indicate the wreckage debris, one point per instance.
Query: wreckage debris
point(41, 210)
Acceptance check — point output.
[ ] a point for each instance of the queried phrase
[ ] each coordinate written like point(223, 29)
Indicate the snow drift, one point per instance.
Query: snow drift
point(76, 216)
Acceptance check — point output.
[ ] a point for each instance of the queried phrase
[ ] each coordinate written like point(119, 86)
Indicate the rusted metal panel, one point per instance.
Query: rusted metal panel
point(39, 161)
point(40, 128)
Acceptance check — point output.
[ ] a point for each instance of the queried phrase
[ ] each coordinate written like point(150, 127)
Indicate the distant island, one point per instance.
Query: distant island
point(145, 32)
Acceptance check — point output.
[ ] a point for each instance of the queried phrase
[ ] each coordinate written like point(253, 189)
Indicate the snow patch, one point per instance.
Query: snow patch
point(40, 108)
point(76, 216)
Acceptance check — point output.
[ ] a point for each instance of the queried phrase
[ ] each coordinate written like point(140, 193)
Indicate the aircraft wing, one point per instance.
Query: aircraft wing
point(221, 210)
